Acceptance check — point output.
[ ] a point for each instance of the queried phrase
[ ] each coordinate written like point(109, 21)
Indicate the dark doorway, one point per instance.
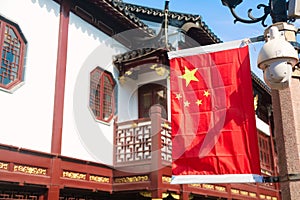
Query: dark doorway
point(151, 94)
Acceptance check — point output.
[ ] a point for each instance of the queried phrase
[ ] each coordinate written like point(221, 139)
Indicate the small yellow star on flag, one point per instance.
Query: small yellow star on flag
point(178, 96)
point(206, 93)
point(199, 102)
point(189, 75)
point(187, 104)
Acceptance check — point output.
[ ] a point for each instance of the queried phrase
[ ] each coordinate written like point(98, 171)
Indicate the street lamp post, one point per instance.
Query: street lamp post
point(276, 8)
point(286, 102)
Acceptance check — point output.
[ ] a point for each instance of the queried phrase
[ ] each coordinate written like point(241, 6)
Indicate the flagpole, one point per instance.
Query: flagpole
point(166, 11)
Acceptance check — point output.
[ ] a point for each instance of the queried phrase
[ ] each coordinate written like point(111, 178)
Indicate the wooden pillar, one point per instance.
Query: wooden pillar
point(55, 171)
point(53, 193)
point(184, 194)
point(41, 197)
point(156, 161)
point(60, 77)
point(228, 189)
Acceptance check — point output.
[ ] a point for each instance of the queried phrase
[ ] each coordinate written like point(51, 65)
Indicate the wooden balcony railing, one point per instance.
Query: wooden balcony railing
point(166, 140)
point(134, 140)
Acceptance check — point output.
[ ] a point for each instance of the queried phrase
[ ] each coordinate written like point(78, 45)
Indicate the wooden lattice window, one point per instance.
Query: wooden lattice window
point(265, 151)
point(13, 47)
point(102, 94)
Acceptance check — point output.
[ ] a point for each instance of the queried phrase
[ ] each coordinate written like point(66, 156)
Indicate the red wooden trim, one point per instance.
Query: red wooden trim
point(60, 77)
point(87, 185)
point(24, 178)
point(137, 121)
point(24, 159)
point(88, 169)
point(138, 186)
point(2, 31)
point(56, 171)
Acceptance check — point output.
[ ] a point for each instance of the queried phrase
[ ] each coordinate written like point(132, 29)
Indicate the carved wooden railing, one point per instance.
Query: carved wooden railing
point(166, 150)
point(134, 140)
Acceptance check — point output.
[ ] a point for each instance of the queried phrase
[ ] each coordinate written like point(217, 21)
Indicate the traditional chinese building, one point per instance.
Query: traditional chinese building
point(78, 81)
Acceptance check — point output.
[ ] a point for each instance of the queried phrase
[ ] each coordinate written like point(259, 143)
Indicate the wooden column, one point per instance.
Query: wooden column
point(60, 77)
point(184, 194)
point(156, 161)
point(55, 171)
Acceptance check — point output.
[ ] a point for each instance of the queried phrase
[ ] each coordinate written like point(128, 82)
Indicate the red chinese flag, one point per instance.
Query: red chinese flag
point(212, 113)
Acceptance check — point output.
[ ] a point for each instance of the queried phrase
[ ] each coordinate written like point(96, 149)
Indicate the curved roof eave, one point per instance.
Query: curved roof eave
point(129, 18)
point(176, 19)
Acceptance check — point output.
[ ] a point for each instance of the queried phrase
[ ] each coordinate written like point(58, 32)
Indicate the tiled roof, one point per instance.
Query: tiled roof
point(160, 13)
point(131, 17)
point(118, 10)
point(137, 54)
point(120, 6)
point(175, 18)
point(260, 83)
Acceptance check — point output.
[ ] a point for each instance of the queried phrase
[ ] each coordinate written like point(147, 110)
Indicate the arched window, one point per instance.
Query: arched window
point(13, 47)
point(102, 94)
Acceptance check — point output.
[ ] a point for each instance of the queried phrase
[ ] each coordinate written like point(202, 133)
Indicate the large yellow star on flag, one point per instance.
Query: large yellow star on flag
point(189, 75)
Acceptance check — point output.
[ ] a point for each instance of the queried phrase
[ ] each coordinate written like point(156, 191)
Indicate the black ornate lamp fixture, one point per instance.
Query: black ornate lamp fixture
point(276, 8)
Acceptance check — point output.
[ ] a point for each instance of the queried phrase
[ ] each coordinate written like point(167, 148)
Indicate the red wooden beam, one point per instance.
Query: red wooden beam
point(87, 185)
point(19, 157)
point(86, 168)
point(137, 186)
point(22, 179)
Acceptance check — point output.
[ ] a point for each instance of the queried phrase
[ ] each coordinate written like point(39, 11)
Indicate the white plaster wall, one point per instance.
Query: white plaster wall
point(26, 115)
point(83, 136)
point(262, 126)
point(128, 100)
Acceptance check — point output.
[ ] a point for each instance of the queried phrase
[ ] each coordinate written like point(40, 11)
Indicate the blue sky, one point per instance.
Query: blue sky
point(215, 15)
point(220, 20)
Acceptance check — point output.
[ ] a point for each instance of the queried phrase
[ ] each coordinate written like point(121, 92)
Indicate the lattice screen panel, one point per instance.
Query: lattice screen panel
point(133, 143)
point(166, 139)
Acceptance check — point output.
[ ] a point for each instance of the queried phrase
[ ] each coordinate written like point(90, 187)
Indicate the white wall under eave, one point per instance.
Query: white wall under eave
point(262, 126)
point(128, 100)
point(27, 113)
point(128, 95)
point(83, 136)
